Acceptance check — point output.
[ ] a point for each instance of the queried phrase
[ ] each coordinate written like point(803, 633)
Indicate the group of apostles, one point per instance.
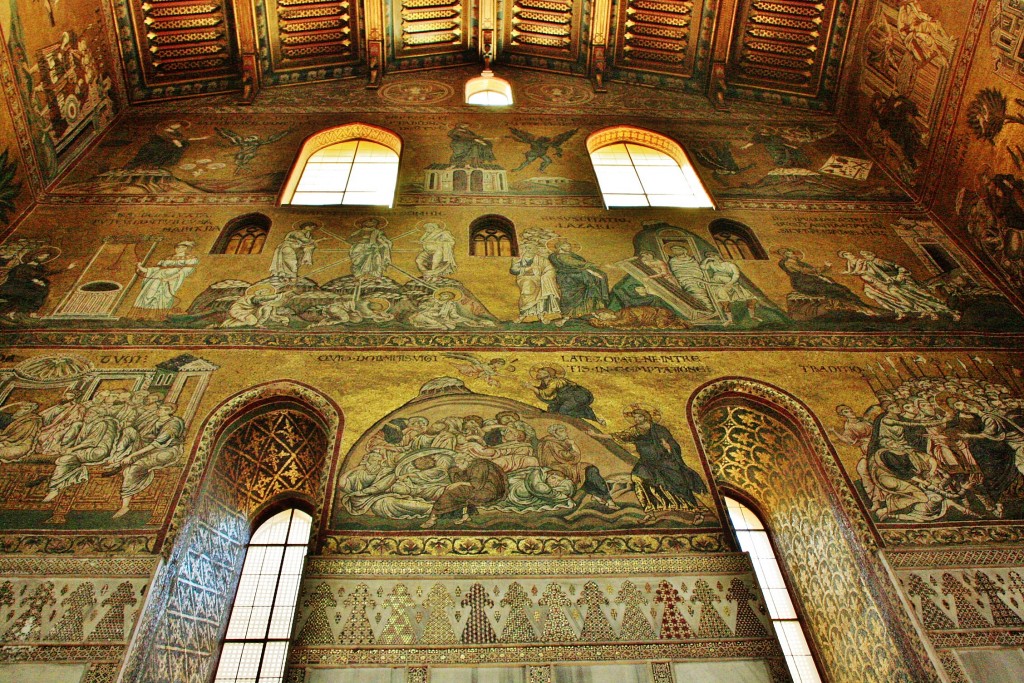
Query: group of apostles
point(115, 431)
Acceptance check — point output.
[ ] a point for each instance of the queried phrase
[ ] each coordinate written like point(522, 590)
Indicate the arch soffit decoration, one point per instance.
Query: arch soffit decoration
point(330, 136)
point(904, 658)
point(231, 412)
point(640, 136)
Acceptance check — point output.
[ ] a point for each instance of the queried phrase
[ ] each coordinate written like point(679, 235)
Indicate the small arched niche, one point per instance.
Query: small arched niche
point(735, 241)
point(243, 235)
point(493, 235)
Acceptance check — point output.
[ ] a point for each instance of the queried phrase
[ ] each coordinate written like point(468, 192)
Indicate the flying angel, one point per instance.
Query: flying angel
point(539, 146)
point(248, 145)
point(471, 365)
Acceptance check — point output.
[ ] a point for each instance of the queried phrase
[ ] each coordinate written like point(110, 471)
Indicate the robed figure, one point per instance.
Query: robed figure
point(661, 480)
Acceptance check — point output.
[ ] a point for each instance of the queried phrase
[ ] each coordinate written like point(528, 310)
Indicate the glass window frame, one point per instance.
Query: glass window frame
point(799, 619)
point(353, 169)
point(266, 516)
point(320, 140)
point(672, 154)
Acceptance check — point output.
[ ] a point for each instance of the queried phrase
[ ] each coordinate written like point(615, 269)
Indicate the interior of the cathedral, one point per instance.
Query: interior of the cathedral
point(512, 341)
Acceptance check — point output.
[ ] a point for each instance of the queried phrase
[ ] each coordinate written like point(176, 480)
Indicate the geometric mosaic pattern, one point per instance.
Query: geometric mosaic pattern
point(753, 450)
point(36, 611)
point(968, 607)
point(281, 450)
point(430, 612)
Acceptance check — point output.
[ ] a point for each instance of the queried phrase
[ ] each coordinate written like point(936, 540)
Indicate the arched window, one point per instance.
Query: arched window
point(637, 167)
point(736, 241)
point(753, 538)
point(493, 236)
point(354, 164)
point(243, 235)
point(488, 90)
point(260, 627)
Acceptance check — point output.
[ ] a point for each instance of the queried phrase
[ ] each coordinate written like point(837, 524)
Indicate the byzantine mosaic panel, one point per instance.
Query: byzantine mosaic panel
point(68, 609)
point(84, 443)
point(964, 597)
point(922, 444)
point(476, 618)
point(60, 80)
point(581, 278)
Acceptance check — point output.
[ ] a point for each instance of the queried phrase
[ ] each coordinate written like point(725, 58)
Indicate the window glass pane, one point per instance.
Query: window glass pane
point(611, 155)
point(238, 625)
point(367, 168)
point(301, 524)
point(773, 588)
point(646, 156)
point(274, 530)
point(249, 664)
point(372, 152)
point(665, 181)
point(274, 658)
point(770, 576)
point(293, 558)
point(795, 636)
point(367, 177)
point(662, 180)
point(317, 198)
point(341, 151)
point(618, 179)
point(804, 667)
point(269, 585)
point(626, 200)
point(230, 656)
point(783, 605)
point(760, 545)
point(324, 177)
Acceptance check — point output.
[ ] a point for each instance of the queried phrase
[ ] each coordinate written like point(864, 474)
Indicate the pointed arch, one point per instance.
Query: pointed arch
point(765, 445)
point(272, 443)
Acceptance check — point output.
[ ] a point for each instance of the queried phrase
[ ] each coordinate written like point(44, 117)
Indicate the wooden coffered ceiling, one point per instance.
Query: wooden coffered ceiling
point(726, 48)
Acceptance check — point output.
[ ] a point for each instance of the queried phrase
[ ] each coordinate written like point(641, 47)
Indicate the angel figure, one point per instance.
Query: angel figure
point(785, 144)
point(248, 145)
point(471, 365)
point(539, 146)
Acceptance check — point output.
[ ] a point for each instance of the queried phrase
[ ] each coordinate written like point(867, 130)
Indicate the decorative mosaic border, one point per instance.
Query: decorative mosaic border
point(702, 563)
point(965, 534)
point(80, 543)
point(61, 653)
point(512, 340)
point(930, 558)
point(705, 649)
point(467, 546)
point(47, 566)
point(61, 198)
